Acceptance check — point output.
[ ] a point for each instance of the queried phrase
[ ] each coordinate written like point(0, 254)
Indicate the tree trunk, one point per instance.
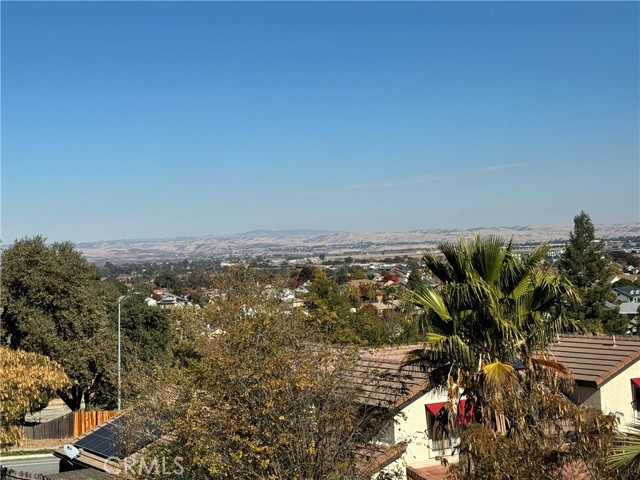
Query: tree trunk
point(72, 397)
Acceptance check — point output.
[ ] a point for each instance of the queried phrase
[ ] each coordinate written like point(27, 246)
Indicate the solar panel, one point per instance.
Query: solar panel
point(106, 441)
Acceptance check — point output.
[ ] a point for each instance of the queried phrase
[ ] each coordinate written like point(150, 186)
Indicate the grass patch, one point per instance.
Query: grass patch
point(19, 453)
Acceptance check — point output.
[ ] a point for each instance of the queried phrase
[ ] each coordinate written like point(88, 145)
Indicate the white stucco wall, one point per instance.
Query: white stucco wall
point(397, 470)
point(616, 394)
point(412, 427)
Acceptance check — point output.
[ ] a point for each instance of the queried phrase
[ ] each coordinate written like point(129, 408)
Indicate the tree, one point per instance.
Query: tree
point(625, 458)
point(258, 399)
point(170, 281)
point(586, 266)
point(337, 316)
point(26, 382)
point(54, 304)
point(415, 276)
point(487, 331)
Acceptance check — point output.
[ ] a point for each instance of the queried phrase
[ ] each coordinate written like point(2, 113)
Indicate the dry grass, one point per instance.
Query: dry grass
point(47, 443)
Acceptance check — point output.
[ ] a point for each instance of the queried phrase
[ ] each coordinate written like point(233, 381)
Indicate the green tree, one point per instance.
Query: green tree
point(487, 332)
point(170, 281)
point(415, 276)
point(148, 336)
point(54, 304)
point(493, 309)
point(587, 267)
point(337, 316)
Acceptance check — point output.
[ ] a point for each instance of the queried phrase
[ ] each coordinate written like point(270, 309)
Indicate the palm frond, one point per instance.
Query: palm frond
point(428, 298)
point(457, 257)
point(439, 268)
point(626, 450)
point(498, 374)
point(487, 257)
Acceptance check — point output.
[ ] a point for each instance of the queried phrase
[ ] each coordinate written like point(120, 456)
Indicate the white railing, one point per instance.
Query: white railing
point(440, 446)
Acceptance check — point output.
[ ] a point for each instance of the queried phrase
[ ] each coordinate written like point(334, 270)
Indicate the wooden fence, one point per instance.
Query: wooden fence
point(9, 474)
point(71, 425)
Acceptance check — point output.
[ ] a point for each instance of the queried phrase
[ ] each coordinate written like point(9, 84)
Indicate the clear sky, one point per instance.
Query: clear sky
point(140, 120)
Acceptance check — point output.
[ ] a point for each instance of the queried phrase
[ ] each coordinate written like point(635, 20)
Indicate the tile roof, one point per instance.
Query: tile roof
point(382, 382)
point(594, 359)
point(81, 474)
point(435, 472)
point(573, 471)
point(375, 457)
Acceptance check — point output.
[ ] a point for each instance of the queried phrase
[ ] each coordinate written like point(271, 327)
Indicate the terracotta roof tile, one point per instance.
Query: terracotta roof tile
point(381, 380)
point(435, 472)
point(594, 358)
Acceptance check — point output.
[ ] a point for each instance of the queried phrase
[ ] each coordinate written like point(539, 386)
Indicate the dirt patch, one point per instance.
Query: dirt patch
point(47, 443)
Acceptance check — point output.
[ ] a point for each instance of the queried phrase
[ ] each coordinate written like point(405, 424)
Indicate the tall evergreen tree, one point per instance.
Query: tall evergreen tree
point(586, 265)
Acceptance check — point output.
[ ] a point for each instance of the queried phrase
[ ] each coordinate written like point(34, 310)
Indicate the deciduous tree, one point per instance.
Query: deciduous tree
point(26, 381)
point(257, 399)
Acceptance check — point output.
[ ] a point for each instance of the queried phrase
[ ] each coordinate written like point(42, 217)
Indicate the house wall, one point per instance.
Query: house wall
point(411, 426)
point(588, 396)
point(617, 393)
point(396, 470)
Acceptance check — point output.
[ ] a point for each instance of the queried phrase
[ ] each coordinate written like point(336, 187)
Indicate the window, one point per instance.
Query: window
point(635, 392)
point(442, 441)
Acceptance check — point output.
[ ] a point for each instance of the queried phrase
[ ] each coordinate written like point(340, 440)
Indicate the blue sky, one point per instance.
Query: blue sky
point(140, 120)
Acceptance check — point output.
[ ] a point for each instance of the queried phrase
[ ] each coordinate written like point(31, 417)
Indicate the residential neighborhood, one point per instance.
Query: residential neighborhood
point(320, 240)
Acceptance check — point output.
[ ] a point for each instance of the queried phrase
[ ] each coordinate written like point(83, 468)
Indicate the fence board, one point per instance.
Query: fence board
point(9, 474)
point(71, 425)
point(61, 427)
point(85, 421)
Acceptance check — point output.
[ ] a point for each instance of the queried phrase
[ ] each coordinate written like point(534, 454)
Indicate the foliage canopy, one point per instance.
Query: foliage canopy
point(487, 331)
point(256, 398)
point(54, 304)
point(26, 382)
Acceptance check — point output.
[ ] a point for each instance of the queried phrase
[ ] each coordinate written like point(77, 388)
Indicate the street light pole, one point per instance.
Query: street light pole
point(120, 299)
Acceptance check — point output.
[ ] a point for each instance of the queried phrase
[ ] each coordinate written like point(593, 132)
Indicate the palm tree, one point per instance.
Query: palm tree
point(625, 458)
point(488, 323)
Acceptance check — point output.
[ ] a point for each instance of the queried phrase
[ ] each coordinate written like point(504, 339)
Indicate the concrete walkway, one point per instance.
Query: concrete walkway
point(56, 408)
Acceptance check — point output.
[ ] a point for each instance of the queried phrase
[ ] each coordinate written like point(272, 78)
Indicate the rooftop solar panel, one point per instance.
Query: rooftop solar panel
point(106, 440)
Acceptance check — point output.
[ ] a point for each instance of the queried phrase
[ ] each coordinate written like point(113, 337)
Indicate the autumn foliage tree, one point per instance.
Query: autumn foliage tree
point(26, 381)
point(251, 396)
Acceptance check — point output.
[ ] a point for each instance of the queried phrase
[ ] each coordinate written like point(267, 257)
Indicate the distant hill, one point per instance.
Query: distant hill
point(301, 243)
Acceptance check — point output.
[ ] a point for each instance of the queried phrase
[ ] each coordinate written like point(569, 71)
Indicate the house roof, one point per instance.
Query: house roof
point(592, 359)
point(434, 472)
point(382, 382)
point(595, 359)
point(81, 474)
point(375, 457)
point(630, 292)
point(102, 446)
point(573, 471)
